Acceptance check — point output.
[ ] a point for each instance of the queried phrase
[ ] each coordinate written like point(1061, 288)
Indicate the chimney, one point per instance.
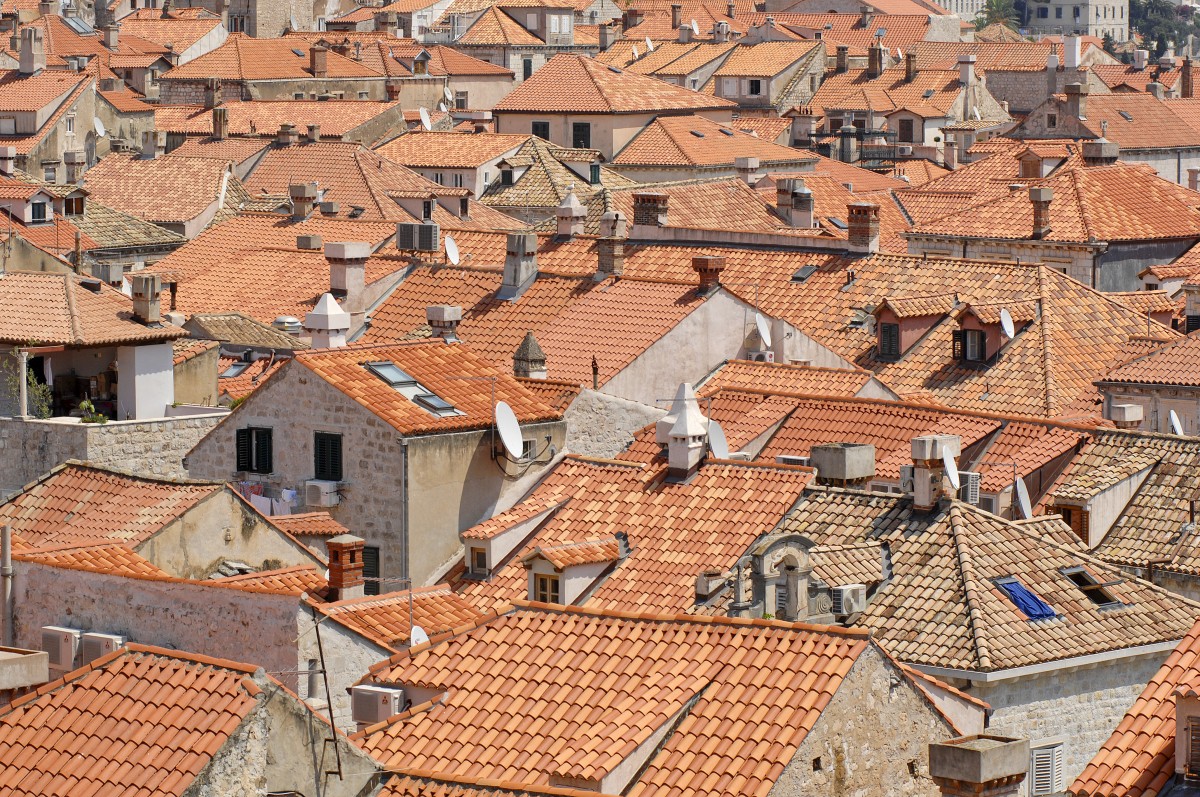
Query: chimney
point(8, 160)
point(345, 567)
point(676, 15)
point(874, 60)
point(970, 766)
point(1100, 152)
point(929, 470)
point(721, 32)
point(865, 16)
point(1052, 70)
point(1191, 307)
point(327, 324)
point(843, 464)
point(1125, 416)
point(708, 268)
point(863, 219)
point(795, 203)
point(843, 58)
point(650, 209)
point(314, 134)
point(303, 195)
point(1041, 198)
point(210, 94)
point(1140, 59)
point(309, 243)
point(571, 215)
point(318, 60)
point(688, 436)
point(444, 319)
point(731, 9)
point(220, 123)
point(1077, 100)
point(33, 51)
point(966, 69)
point(146, 288)
point(747, 169)
point(610, 248)
point(520, 265)
point(529, 361)
point(287, 135)
point(47, 8)
point(112, 32)
point(910, 67)
point(347, 270)
point(1186, 87)
point(1071, 52)
point(154, 144)
point(685, 34)
point(608, 35)
point(1155, 89)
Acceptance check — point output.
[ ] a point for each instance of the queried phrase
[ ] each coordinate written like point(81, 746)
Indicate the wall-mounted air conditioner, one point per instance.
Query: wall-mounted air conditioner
point(320, 493)
point(790, 459)
point(63, 646)
point(849, 599)
point(372, 704)
point(417, 237)
point(969, 489)
point(761, 356)
point(98, 645)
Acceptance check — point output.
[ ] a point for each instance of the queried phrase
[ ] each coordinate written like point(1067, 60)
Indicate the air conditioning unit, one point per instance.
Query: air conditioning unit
point(849, 599)
point(372, 704)
point(906, 478)
point(97, 645)
point(790, 459)
point(63, 646)
point(904, 151)
point(969, 491)
point(417, 237)
point(761, 356)
point(320, 493)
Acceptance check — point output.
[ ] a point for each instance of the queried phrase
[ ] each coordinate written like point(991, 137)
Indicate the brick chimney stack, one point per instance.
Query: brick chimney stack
point(874, 60)
point(910, 67)
point(220, 123)
point(318, 60)
point(863, 221)
point(1077, 100)
point(708, 268)
point(345, 566)
point(610, 248)
point(842, 63)
point(1041, 198)
point(650, 209)
point(1186, 87)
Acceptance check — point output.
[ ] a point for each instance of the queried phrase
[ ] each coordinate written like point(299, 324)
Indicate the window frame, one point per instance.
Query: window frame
point(38, 213)
point(254, 449)
point(74, 206)
point(328, 460)
point(372, 565)
point(477, 560)
point(583, 141)
point(540, 125)
point(754, 87)
point(1055, 764)
point(547, 588)
point(889, 341)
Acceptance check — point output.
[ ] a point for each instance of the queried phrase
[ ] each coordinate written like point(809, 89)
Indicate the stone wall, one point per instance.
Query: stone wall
point(871, 739)
point(600, 425)
point(1079, 707)
point(348, 656)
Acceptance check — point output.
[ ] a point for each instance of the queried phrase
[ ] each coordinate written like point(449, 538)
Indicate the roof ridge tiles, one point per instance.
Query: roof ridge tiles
point(967, 568)
point(498, 785)
point(1047, 344)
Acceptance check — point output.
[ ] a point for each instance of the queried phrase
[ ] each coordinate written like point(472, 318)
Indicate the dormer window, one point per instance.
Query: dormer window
point(37, 212)
point(889, 341)
point(427, 209)
point(73, 206)
point(970, 345)
point(506, 177)
point(478, 561)
point(546, 588)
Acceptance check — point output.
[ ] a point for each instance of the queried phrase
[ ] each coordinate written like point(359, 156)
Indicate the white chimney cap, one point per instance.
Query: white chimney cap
point(327, 315)
point(571, 206)
point(690, 423)
point(348, 250)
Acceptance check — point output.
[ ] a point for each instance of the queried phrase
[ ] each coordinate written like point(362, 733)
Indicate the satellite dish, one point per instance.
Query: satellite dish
point(452, 253)
point(1176, 426)
point(100, 131)
point(1023, 499)
point(1006, 323)
point(695, 28)
point(649, 45)
point(448, 94)
point(425, 123)
point(636, 54)
point(442, 107)
point(975, 110)
point(764, 329)
point(417, 636)
point(951, 468)
point(716, 440)
point(509, 429)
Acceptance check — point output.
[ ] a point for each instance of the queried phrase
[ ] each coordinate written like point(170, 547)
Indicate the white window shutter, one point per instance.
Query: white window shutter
point(1047, 770)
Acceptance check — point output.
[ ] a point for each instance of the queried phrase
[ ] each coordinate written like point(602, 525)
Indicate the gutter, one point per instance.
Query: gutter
point(1090, 660)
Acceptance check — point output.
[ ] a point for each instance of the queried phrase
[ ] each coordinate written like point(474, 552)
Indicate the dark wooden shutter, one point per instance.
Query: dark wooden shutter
point(371, 570)
point(327, 455)
point(243, 449)
point(959, 338)
point(263, 451)
point(889, 340)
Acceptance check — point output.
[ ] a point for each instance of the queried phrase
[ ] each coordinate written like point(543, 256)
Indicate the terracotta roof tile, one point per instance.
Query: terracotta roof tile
point(248, 380)
point(244, 58)
point(1176, 363)
point(298, 580)
point(699, 141)
point(450, 150)
point(171, 188)
point(780, 378)
point(263, 117)
point(384, 619)
point(189, 348)
point(494, 27)
point(852, 563)
point(113, 558)
point(901, 30)
point(320, 524)
point(584, 552)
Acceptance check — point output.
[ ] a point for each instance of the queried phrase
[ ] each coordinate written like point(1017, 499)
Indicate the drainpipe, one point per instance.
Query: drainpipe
point(404, 512)
point(24, 389)
point(6, 584)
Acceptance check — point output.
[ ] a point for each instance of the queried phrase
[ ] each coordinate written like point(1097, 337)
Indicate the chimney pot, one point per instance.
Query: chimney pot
point(318, 61)
point(309, 242)
point(220, 123)
point(520, 265)
point(529, 361)
point(874, 60)
point(676, 15)
point(986, 764)
point(966, 69)
point(287, 135)
point(910, 66)
point(1077, 100)
point(112, 33)
point(345, 566)
point(1126, 416)
point(1041, 198)
point(650, 209)
point(146, 289)
point(571, 215)
point(33, 51)
point(687, 436)
point(347, 269)
point(444, 319)
point(154, 144)
point(843, 464)
point(1156, 90)
point(303, 195)
point(747, 168)
point(708, 268)
point(314, 133)
point(843, 58)
point(863, 223)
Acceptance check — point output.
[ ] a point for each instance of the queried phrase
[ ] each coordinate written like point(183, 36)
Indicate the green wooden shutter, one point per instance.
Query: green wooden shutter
point(243, 449)
point(262, 451)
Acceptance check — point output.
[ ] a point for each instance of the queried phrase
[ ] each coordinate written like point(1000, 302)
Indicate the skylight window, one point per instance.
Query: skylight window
point(299, 53)
point(841, 225)
point(614, 70)
point(434, 404)
point(1093, 589)
point(697, 134)
point(234, 370)
point(1023, 598)
point(1126, 115)
point(727, 132)
point(803, 273)
point(391, 373)
point(411, 389)
point(928, 93)
point(78, 25)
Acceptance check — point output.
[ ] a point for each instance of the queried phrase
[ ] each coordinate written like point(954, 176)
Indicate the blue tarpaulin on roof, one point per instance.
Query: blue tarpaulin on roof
point(1031, 605)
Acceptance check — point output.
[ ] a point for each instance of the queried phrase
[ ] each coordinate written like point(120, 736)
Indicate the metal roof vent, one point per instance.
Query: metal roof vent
point(288, 324)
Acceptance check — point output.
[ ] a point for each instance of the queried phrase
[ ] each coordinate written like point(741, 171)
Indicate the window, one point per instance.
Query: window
point(594, 174)
point(581, 135)
point(553, 23)
point(458, 181)
point(729, 87)
point(420, 67)
point(50, 174)
point(755, 88)
point(545, 589)
point(541, 130)
point(1094, 589)
point(327, 456)
point(1029, 604)
point(566, 23)
point(439, 178)
point(781, 600)
point(1052, 120)
point(73, 206)
point(392, 374)
point(1058, 13)
point(299, 95)
point(371, 570)
point(1076, 12)
point(1046, 770)
point(889, 341)
point(506, 177)
point(254, 450)
point(37, 211)
point(362, 95)
point(237, 24)
point(479, 560)
point(70, 122)
point(8, 126)
point(1043, 13)
point(1151, 286)
point(427, 210)
point(460, 100)
point(906, 130)
point(527, 70)
point(234, 370)
point(835, 123)
point(1192, 772)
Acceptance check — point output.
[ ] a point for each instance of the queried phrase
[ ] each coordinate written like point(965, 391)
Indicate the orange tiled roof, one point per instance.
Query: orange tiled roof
point(263, 117)
point(852, 563)
point(190, 348)
point(297, 580)
point(494, 27)
point(930, 93)
point(584, 552)
point(450, 150)
point(106, 557)
point(699, 141)
point(319, 524)
point(575, 84)
point(384, 619)
point(171, 188)
point(1138, 121)
point(1176, 363)
point(140, 720)
point(901, 30)
point(765, 59)
point(244, 58)
point(733, 669)
point(245, 383)
point(180, 33)
point(781, 378)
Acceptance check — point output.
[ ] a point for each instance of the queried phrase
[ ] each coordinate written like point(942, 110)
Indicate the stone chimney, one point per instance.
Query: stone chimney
point(520, 265)
point(347, 270)
point(8, 160)
point(966, 69)
point(1041, 197)
point(327, 323)
point(1071, 59)
point(685, 34)
point(1125, 416)
point(33, 51)
point(843, 464)
point(676, 15)
point(731, 9)
point(610, 249)
point(608, 35)
point(847, 144)
point(345, 567)
point(910, 67)
point(929, 470)
point(747, 169)
point(863, 221)
point(314, 134)
point(979, 766)
point(310, 243)
point(318, 60)
point(1191, 307)
point(112, 35)
point(794, 202)
point(1101, 152)
point(571, 215)
point(874, 60)
point(444, 319)
point(842, 62)
point(154, 144)
point(47, 8)
point(210, 94)
point(303, 195)
point(1186, 87)
point(220, 123)
point(1077, 100)
point(529, 361)
point(1140, 59)
point(1155, 90)
point(721, 32)
point(708, 268)
point(287, 135)
point(687, 437)
point(650, 209)
point(146, 289)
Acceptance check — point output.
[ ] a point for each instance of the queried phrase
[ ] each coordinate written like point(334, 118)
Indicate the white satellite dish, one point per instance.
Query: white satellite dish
point(975, 110)
point(695, 28)
point(649, 45)
point(636, 54)
point(448, 94)
point(951, 468)
point(1176, 426)
point(452, 253)
point(417, 636)
point(442, 107)
point(1006, 323)
point(425, 122)
point(1023, 499)
point(509, 429)
point(100, 131)
point(764, 329)
point(716, 440)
